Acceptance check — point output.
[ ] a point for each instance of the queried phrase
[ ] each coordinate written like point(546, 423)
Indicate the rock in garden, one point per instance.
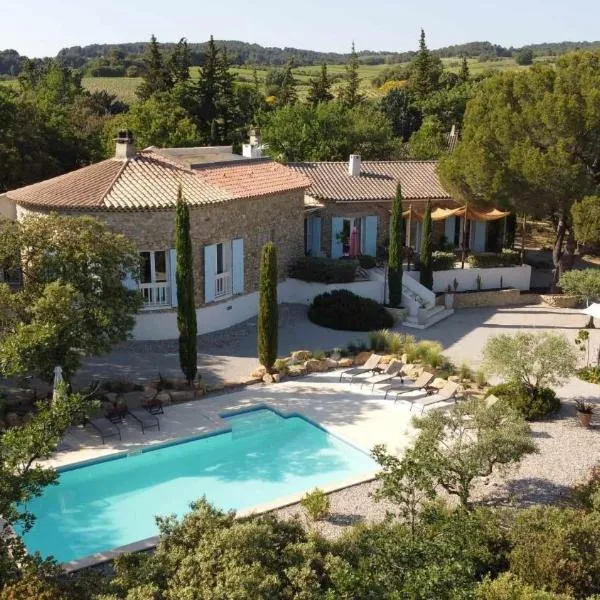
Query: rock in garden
point(296, 370)
point(301, 355)
point(267, 378)
point(259, 372)
point(315, 366)
point(345, 362)
point(361, 358)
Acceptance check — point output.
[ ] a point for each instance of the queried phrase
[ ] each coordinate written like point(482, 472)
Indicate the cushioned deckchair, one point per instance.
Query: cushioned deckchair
point(420, 383)
point(393, 370)
point(370, 365)
point(144, 419)
point(446, 393)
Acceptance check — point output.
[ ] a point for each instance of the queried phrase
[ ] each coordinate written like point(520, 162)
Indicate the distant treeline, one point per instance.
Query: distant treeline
point(118, 60)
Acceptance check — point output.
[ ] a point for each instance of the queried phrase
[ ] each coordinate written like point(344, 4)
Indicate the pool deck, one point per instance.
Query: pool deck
point(357, 416)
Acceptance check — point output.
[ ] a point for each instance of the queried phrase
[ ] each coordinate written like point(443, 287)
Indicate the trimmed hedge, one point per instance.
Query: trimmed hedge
point(443, 261)
point(488, 260)
point(341, 309)
point(542, 403)
point(323, 270)
point(366, 261)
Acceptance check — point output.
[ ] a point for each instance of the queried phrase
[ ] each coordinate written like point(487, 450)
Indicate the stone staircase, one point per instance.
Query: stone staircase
point(423, 312)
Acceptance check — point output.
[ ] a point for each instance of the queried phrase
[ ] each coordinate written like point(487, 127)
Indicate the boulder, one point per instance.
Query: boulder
point(331, 364)
point(259, 372)
point(251, 380)
point(315, 366)
point(454, 378)
point(296, 370)
point(404, 358)
point(438, 383)
point(276, 377)
point(361, 358)
point(345, 363)
point(164, 397)
point(182, 395)
point(386, 359)
point(267, 378)
point(300, 356)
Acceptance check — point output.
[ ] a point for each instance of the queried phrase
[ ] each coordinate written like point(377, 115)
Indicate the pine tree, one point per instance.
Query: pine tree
point(179, 63)
point(426, 275)
point(268, 314)
point(350, 94)
point(287, 92)
point(186, 304)
point(396, 250)
point(320, 88)
point(225, 101)
point(426, 71)
point(464, 74)
point(156, 77)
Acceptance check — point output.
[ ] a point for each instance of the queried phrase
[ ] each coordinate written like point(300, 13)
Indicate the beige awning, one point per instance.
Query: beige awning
point(440, 214)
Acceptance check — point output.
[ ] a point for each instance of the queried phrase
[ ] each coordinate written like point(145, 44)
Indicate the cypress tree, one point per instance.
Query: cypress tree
point(426, 71)
point(287, 92)
point(396, 250)
point(350, 95)
point(179, 63)
point(426, 275)
point(156, 76)
point(320, 88)
point(464, 74)
point(268, 314)
point(186, 304)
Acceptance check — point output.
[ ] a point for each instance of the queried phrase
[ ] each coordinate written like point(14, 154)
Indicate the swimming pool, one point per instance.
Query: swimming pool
point(112, 502)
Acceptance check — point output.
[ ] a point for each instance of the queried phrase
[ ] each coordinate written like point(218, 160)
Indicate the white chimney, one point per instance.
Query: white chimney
point(254, 148)
point(453, 131)
point(354, 165)
point(125, 148)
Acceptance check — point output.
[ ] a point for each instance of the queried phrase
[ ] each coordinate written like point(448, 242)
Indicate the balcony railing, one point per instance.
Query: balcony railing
point(222, 285)
point(156, 295)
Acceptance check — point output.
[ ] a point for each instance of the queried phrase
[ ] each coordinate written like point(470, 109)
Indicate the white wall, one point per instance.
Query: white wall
point(162, 325)
point(513, 277)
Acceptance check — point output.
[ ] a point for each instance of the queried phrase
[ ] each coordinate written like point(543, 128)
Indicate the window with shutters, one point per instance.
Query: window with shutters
point(223, 277)
point(155, 279)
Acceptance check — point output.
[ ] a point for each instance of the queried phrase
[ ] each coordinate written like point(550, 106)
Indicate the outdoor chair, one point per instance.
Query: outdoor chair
point(145, 419)
point(104, 428)
point(369, 366)
point(393, 370)
point(448, 392)
point(420, 383)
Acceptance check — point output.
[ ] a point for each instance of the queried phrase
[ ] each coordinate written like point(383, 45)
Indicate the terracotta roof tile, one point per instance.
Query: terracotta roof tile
point(377, 180)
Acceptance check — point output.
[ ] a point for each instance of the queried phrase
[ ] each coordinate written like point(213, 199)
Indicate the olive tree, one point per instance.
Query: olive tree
point(584, 283)
point(72, 301)
point(532, 361)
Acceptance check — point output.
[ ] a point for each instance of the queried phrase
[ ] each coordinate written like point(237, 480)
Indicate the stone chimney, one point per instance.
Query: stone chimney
point(125, 148)
point(254, 148)
point(354, 165)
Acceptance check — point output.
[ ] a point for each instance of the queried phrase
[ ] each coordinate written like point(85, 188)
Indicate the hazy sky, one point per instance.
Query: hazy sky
point(42, 27)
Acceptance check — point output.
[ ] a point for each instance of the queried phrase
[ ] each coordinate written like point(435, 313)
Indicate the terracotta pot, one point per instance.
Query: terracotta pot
point(585, 419)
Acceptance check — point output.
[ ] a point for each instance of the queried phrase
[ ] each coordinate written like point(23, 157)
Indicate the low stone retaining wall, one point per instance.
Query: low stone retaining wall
point(510, 297)
point(560, 300)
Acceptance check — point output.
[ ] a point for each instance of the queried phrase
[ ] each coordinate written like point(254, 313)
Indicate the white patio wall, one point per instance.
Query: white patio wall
point(162, 325)
point(513, 277)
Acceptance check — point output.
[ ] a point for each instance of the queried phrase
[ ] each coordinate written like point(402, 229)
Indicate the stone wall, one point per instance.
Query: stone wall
point(508, 297)
point(278, 218)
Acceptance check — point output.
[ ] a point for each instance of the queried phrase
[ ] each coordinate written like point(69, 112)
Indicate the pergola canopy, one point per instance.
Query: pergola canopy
point(440, 214)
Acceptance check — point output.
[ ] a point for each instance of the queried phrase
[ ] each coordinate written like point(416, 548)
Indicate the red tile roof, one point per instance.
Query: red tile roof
point(151, 180)
point(377, 180)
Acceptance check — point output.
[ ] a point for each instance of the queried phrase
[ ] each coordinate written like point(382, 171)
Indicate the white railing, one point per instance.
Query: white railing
point(156, 295)
point(223, 285)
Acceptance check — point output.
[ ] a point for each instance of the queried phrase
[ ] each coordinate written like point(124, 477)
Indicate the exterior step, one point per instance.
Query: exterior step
point(435, 315)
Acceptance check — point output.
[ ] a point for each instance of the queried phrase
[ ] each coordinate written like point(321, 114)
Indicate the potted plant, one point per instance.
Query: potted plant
point(584, 411)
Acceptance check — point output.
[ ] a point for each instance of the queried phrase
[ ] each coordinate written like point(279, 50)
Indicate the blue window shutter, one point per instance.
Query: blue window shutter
point(173, 273)
point(449, 226)
point(370, 246)
point(308, 227)
point(337, 226)
point(479, 236)
point(237, 250)
point(316, 237)
point(210, 272)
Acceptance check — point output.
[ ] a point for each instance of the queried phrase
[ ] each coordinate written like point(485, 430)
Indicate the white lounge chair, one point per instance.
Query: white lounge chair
point(446, 393)
point(370, 365)
point(420, 383)
point(393, 370)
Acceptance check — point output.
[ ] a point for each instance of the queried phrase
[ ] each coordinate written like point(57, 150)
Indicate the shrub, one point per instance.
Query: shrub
point(443, 261)
point(425, 351)
point(557, 550)
point(465, 372)
point(366, 261)
point(487, 260)
point(341, 309)
point(319, 354)
point(587, 494)
point(480, 378)
point(532, 406)
point(323, 270)
point(385, 340)
point(281, 366)
point(316, 504)
point(585, 284)
point(509, 587)
point(591, 374)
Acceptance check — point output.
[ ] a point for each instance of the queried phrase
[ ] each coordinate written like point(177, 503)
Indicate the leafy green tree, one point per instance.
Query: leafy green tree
point(464, 74)
point(425, 257)
point(327, 131)
point(399, 106)
point(584, 283)
point(156, 77)
point(72, 302)
point(429, 141)
point(586, 220)
point(179, 62)
point(186, 301)
point(532, 361)
point(287, 93)
point(524, 57)
point(426, 70)
point(268, 312)
point(319, 89)
point(529, 141)
point(349, 94)
point(396, 249)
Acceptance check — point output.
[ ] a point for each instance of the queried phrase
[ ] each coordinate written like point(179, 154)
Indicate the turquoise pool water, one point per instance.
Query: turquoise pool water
point(110, 503)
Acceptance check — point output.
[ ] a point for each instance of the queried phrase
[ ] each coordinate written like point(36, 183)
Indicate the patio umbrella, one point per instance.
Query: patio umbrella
point(354, 243)
point(58, 379)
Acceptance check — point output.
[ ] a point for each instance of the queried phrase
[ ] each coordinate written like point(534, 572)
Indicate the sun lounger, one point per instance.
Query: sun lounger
point(144, 419)
point(369, 366)
point(393, 370)
point(446, 393)
point(420, 383)
point(104, 428)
